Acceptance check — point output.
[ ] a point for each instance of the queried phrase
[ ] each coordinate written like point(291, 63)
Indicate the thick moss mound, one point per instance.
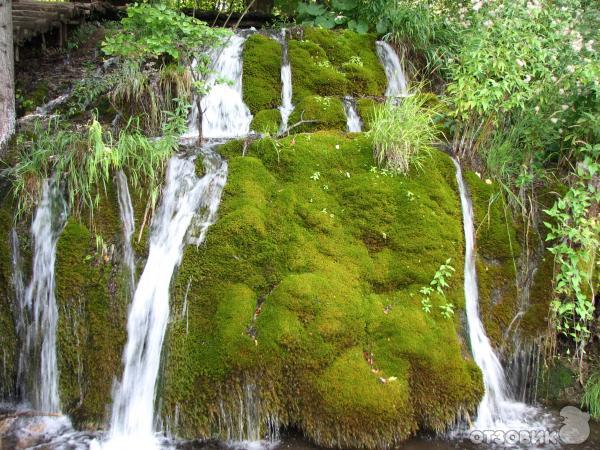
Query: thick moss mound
point(261, 73)
point(335, 63)
point(306, 292)
point(365, 107)
point(266, 121)
point(325, 113)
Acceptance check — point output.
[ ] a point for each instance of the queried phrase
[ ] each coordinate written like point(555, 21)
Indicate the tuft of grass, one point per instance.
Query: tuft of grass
point(85, 160)
point(403, 134)
point(591, 395)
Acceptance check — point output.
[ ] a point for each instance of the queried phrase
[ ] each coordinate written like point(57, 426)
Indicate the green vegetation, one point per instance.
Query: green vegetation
point(591, 396)
point(266, 121)
point(325, 113)
point(308, 288)
point(331, 63)
point(261, 73)
point(403, 134)
point(85, 162)
point(575, 230)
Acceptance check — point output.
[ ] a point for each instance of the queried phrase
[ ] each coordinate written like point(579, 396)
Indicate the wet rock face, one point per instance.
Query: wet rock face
point(22, 430)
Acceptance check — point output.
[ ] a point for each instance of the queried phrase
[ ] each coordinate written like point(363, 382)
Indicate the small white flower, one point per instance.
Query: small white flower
point(537, 109)
point(561, 91)
point(554, 120)
point(520, 63)
point(565, 107)
point(527, 78)
point(488, 181)
point(570, 69)
point(488, 23)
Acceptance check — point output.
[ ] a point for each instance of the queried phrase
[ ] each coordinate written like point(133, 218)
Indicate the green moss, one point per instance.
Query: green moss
point(8, 339)
point(312, 72)
point(554, 381)
point(355, 56)
point(261, 73)
point(326, 112)
point(307, 289)
point(365, 107)
point(266, 121)
point(92, 298)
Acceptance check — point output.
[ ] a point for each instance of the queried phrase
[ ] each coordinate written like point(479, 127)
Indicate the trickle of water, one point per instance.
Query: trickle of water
point(286, 107)
point(133, 408)
point(38, 369)
point(127, 219)
point(225, 114)
point(353, 122)
point(497, 411)
point(397, 85)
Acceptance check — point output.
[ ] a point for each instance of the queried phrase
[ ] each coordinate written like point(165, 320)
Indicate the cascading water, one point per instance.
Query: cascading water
point(126, 211)
point(496, 410)
point(286, 107)
point(133, 408)
point(397, 85)
point(224, 113)
point(353, 122)
point(38, 368)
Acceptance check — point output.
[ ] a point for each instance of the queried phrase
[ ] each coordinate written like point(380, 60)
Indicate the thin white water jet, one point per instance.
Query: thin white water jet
point(224, 113)
point(133, 408)
point(286, 107)
point(38, 369)
point(353, 122)
point(397, 85)
point(128, 222)
point(497, 411)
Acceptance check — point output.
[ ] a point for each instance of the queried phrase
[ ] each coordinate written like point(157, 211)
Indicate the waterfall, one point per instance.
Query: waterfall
point(126, 211)
point(224, 113)
point(38, 369)
point(497, 411)
point(397, 85)
point(354, 124)
point(286, 107)
point(133, 408)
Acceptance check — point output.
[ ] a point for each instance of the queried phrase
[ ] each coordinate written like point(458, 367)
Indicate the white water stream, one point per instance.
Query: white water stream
point(133, 408)
point(497, 411)
point(38, 368)
point(397, 85)
point(128, 222)
point(353, 122)
point(286, 107)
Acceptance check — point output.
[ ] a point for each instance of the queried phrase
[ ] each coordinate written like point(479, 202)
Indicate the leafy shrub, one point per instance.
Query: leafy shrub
point(403, 134)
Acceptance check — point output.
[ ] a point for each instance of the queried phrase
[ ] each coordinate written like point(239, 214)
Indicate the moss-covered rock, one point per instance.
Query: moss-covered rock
point(92, 297)
point(266, 121)
point(8, 338)
point(365, 108)
point(306, 290)
point(261, 73)
point(325, 113)
point(335, 63)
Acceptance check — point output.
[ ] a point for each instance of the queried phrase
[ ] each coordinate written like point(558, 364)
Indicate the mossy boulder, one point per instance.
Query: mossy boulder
point(325, 113)
point(365, 108)
point(261, 79)
point(335, 63)
point(266, 121)
point(306, 294)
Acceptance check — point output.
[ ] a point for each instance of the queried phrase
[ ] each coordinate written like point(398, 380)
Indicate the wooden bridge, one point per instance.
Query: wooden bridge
point(35, 18)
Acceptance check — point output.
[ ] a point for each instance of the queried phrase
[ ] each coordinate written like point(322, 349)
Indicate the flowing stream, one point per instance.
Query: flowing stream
point(397, 85)
point(38, 368)
point(353, 122)
point(225, 115)
point(497, 411)
point(133, 408)
point(286, 107)
point(128, 222)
